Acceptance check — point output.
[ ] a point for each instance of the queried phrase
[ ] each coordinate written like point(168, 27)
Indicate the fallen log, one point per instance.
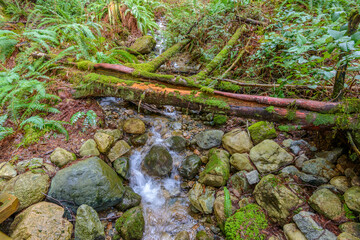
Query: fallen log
point(95, 85)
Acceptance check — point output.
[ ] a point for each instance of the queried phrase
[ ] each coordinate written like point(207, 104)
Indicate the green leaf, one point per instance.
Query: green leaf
point(301, 40)
point(343, 46)
point(336, 34)
point(356, 36)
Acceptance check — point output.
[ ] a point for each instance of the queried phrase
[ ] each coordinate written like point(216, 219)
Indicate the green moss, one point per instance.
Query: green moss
point(201, 235)
point(207, 90)
point(93, 77)
point(288, 128)
point(227, 86)
point(220, 119)
point(217, 165)
point(131, 224)
point(85, 65)
point(262, 130)
point(291, 114)
point(247, 223)
point(324, 119)
point(270, 109)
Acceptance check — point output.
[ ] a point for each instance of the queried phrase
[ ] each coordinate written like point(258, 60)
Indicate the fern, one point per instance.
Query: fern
point(4, 131)
point(227, 203)
point(76, 116)
point(90, 119)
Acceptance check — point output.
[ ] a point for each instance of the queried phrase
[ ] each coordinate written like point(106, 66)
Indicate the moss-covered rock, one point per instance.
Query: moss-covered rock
point(202, 235)
point(158, 162)
point(88, 225)
point(143, 45)
point(327, 203)
point(61, 157)
point(103, 141)
point(220, 119)
point(121, 166)
point(176, 143)
point(140, 140)
point(241, 161)
point(131, 224)
point(89, 149)
point(134, 126)
point(129, 200)
point(119, 149)
point(352, 198)
point(262, 130)
point(217, 170)
point(247, 223)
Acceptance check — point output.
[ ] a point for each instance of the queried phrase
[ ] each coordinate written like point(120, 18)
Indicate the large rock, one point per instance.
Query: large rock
point(134, 126)
point(88, 225)
point(308, 178)
point(176, 143)
point(320, 167)
point(237, 141)
point(7, 171)
point(117, 134)
point(275, 198)
point(201, 200)
point(241, 162)
point(29, 188)
point(217, 170)
point(352, 228)
point(209, 139)
point(91, 182)
point(352, 198)
point(311, 229)
point(346, 236)
point(61, 157)
point(119, 149)
point(144, 44)
point(269, 156)
point(341, 183)
point(158, 162)
point(33, 163)
point(103, 141)
point(262, 130)
point(121, 166)
point(184, 235)
point(292, 232)
point(327, 203)
point(140, 140)
point(131, 224)
point(89, 149)
point(42, 221)
point(190, 167)
point(129, 200)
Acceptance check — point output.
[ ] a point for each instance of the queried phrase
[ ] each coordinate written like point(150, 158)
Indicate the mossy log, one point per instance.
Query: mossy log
point(96, 85)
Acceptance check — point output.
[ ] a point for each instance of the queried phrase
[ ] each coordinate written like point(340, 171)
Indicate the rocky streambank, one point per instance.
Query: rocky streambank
point(238, 182)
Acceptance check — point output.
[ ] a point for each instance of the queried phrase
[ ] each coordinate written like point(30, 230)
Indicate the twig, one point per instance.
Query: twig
point(352, 143)
point(60, 203)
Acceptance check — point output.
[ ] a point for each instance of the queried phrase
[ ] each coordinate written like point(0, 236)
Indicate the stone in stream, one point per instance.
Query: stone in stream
point(268, 156)
point(190, 167)
point(209, 139)
point(91, 182)
point(134, 126)
point(60, 157)
point(262, 130)
point(121, 166)
point(311, 229)
point(237, 141)
point(144, 44)
point(327, 203)
point(241, 162)
point(352, 198)
point(88, 225)
point(103, 141)
point(29, 188)
point(292, 232)
point(176, 143)
point(217, 170)
point(346, 236)
point(119, 149)
point(275, 198)
point(89, 149)
point(140, 140)
point(129, 200)
point(33, 163)
point(131, 224)
point(42, 221)
point(201, 200)
point(7, 170)
point(158, 162)
point(184, 235)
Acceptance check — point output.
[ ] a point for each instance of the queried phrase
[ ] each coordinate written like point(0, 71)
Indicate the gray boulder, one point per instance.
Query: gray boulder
point(176, 143)
point(320, 167)
point(308, 178)
point(327, 203)
point(91, 182)
point(209, 139)
point(88, 225)
point(241, 162)
point(190, 167)
point(237, 141)
point(158, 162)
point(121, 166)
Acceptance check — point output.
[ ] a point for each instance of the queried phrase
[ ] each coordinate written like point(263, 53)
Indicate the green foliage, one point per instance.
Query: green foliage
point(227, 203)
point(220, 119)
point(4, 131)
point(247, 223)
point(348, 213)
point(90, 118)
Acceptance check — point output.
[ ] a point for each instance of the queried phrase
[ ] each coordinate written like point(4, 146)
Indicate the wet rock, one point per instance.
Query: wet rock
point(311, 229)
point(41, 221)
point(131, 224)
point(239, 182)
point(275, 198)
point(237, 141)
point(262, 130)
point(292, 232)
point(33, 163)
point(144, 44)
point(320, 167)
point(117, 134)
point(140, 140)
point(327, 203)
point(209, 139)
point(202, 235)
point(29, 188)
point(219, 209)
point(121, 166)
point(89, 149)
point(61, 157)
point(129, 200)
point(217, 170)
point(190, 167)
point(184, 235)
point(252, 177)
point(91, 182)
point(352, 228)
point(119, 149)
point(352, 198)
point(269, 156)
point(7, 170)
point(103, 141)
point(347, 236)
point(134, 126)
point(200, 200)
point(331, 156)
point(341, 183)
point(241, 162)
point(158, 162)
point(88, 225)
point(308, 178)
point(176, 143)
